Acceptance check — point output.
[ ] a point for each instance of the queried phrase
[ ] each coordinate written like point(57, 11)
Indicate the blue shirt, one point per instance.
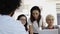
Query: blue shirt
point(10, 26)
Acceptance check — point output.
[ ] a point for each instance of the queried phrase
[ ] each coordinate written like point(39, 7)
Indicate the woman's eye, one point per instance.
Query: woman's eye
point(36, 13)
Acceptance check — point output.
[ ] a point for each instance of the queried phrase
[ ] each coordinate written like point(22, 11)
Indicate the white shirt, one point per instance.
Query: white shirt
point(10, 26)
point(35, 25)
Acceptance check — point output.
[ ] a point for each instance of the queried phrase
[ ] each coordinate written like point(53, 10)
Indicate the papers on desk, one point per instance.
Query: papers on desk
point(47, 31)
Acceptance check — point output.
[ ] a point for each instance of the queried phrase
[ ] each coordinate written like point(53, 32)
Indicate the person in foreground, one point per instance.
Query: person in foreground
point(8, 25)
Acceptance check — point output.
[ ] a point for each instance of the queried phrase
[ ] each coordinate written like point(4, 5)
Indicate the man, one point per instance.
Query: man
point(7, 24)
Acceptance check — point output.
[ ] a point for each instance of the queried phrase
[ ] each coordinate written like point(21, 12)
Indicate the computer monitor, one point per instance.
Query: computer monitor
point(48, 31)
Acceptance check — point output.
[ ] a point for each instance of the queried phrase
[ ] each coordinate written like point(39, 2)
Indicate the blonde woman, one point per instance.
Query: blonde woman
point(50, 22)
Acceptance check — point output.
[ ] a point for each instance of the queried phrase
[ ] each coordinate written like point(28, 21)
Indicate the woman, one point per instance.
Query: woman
point(35, 21)
point(23, 19)
point(50, 22)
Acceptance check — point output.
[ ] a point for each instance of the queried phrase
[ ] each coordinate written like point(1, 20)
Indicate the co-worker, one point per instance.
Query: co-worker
point(23, 20)
point(35, 21)
point(50, 22)
point(8, 25)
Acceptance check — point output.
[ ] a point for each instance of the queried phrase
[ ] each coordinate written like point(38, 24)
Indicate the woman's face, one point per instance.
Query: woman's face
point(50, 20)
point(23, 20)
point(35, 14)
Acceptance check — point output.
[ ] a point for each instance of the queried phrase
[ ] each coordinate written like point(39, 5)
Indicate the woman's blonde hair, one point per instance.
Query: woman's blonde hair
point(49, 16)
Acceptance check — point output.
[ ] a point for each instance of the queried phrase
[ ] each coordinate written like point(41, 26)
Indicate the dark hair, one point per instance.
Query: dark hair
point(8, 6)
point(26, 20)
point(31, 16)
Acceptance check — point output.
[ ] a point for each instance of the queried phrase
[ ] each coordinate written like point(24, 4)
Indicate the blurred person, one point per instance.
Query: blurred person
point(50, 22)
point(35, 22)
point(8, 25)
point(23, 20)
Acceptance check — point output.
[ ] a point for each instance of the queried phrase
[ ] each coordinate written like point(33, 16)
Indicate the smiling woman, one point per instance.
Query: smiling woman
point(23, 19)
point(50, 22)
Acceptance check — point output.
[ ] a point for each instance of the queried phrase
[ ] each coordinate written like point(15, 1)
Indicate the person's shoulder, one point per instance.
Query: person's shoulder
point(45, 28)
point(56, 26)
point(29, 22)
point(41, 18)
point(14, 23)
point(19, 23)
point(11, 24)
point(29, 19)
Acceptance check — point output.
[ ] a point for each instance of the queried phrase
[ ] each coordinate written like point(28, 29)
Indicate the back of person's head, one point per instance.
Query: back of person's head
point(8, 6)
